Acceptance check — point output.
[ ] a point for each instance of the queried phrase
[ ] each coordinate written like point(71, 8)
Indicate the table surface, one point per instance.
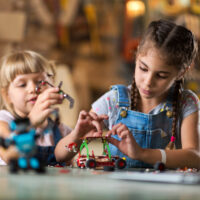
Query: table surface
point(74, 183)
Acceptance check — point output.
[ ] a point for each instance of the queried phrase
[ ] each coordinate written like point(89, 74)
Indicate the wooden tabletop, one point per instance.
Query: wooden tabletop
point(74, 183)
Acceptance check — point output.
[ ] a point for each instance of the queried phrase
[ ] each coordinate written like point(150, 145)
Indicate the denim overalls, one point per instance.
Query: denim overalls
point(149, 130)
point(46, 153)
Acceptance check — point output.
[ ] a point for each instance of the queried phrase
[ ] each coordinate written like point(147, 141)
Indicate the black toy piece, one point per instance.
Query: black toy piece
point(159, 166)
point(108, 168)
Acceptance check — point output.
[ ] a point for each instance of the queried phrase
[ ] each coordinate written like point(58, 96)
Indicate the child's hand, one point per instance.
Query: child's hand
point(89, 124)
point(43, 105)
point(127, 144)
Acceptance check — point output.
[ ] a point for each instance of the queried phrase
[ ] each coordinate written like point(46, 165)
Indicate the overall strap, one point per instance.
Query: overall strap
point(53, 128)
point(123, 99)
point(56, 134)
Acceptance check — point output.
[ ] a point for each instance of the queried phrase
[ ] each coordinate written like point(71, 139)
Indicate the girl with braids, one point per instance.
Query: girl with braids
point(155, 119)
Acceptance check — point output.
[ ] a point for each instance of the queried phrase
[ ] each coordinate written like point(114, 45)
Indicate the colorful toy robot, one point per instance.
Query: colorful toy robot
point(23, 137)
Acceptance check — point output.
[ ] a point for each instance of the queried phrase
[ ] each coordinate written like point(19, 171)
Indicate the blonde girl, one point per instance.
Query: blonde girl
point(20, 74)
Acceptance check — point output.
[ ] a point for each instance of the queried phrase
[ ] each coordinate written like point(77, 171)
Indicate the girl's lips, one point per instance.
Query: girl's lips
point(33, 100)
point(147, 92)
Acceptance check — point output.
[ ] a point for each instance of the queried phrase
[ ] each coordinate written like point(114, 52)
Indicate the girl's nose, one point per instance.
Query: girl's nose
point(31, 87)
point(149, 80)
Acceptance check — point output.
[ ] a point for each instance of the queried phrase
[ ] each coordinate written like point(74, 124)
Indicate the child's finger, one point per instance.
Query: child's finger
point(93, 115)
point(49, 111)
point(83, 114)
point(98, 134)
point(103, 117)
point(50, 90)
point(115, 127)
point(124, 134)
point(98, 117)
point(114, 141)
point(121, 128)
point(109, 133)
point(93, 133)
point(49, 103)
point(49, 96)
point(97, 125)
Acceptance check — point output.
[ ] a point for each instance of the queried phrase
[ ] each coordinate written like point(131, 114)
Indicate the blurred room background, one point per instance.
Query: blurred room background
point(93, 42)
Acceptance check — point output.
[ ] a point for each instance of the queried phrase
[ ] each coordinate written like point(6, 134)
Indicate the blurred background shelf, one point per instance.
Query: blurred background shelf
point(92, 41)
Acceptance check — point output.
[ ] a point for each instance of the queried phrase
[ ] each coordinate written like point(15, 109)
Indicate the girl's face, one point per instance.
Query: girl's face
point(22, 92)
point(153, 78)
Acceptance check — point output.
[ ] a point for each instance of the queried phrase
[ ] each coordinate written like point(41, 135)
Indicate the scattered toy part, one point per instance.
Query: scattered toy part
point(72, 147)
point(159, 166)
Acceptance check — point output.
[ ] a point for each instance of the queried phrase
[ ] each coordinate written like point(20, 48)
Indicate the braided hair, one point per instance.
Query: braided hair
point(178, 48)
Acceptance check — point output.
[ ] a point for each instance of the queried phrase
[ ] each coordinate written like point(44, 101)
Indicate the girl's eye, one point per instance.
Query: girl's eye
point(162, 76)
point(143, 69)
point(22, 85)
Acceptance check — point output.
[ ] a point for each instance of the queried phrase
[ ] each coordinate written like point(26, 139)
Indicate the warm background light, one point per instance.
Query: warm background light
point(135, 8)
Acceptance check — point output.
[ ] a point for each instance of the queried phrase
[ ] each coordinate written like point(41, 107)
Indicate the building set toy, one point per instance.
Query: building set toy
point(105, 161)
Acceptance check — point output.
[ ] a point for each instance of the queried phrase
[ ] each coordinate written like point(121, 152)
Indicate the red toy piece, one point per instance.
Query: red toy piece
point(72, 147)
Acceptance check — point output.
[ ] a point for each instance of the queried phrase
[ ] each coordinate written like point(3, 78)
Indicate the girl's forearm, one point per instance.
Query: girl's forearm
point(179, 158)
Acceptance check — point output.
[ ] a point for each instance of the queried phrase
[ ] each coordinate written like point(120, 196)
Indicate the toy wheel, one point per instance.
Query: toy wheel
point(91, 163)
point(120, 164)
point(159, 166)
point(13, 166)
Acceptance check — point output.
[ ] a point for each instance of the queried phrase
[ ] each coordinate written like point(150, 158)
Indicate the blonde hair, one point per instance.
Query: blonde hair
point(16, 63)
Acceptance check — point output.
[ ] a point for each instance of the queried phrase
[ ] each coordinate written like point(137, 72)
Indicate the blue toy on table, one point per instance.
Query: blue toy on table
point(23, 137)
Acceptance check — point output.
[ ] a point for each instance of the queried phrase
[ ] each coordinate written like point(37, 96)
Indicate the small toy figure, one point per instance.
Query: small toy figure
point(69, 98)
point(23, 137)
point(104, 161)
